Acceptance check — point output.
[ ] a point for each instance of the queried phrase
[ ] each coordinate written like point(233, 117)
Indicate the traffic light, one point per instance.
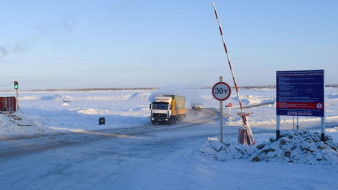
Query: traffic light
point(16, 85)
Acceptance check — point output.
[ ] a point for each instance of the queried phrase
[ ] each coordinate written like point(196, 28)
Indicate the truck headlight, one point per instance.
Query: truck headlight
point(166, 119)
point(152, 118)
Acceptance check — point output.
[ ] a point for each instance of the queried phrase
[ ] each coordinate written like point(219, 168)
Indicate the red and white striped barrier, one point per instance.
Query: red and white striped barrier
point(245, 135)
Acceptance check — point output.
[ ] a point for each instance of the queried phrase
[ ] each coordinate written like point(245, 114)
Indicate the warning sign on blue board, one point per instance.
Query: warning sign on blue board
point(300, 93)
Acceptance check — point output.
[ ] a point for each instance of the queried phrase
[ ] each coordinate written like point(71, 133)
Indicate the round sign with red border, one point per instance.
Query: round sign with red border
point(221, 91)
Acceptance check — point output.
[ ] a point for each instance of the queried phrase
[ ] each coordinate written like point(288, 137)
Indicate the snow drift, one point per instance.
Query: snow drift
point(34, 126)
point(293, 147)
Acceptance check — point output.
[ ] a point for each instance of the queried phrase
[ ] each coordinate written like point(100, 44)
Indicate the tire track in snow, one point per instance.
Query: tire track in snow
point(15, 146)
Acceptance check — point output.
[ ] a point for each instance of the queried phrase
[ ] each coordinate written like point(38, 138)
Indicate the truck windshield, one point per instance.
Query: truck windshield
point(160, 106)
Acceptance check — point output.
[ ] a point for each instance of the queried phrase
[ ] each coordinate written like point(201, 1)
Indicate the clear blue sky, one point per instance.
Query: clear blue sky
point(149, 43)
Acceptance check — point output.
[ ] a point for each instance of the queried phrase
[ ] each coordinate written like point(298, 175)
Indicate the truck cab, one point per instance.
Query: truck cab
point(166, 109)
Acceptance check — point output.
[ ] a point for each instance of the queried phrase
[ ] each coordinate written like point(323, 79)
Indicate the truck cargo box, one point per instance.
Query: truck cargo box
point(179, 101)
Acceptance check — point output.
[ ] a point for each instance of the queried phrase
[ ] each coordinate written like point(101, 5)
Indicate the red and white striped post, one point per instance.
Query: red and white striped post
point(245, 135)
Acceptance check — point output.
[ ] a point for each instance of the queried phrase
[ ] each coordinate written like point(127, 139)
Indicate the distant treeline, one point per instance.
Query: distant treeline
point(154, 88)
point(274, 86)
point(80, 89)
point(270, 86)
point(96, 89)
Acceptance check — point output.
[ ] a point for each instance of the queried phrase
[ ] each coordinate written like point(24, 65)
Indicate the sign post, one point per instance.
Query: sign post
point(221, 91)
point(300, 93)
point(229, 106)
point(245, 131)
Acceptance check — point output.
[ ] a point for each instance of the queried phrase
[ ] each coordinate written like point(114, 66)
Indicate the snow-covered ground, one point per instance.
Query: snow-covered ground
point(67, 149)
point(65, 111)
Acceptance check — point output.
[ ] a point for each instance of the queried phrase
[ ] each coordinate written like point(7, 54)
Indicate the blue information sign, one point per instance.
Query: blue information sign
point(300, 93)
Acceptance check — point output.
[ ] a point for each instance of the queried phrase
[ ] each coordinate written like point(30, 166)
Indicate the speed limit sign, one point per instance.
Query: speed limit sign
point(221, 91)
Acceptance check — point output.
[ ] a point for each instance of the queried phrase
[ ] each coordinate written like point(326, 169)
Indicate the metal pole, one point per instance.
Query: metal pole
point(322, 135)
point(278, 127)
point(297, 122)
point(244, 118)
point(17, 99)
point(221, 117)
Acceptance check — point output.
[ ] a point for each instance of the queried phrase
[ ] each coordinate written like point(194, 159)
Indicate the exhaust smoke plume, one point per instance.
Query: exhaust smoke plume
point(192, 96)
point(19, 47)
point(42, 31)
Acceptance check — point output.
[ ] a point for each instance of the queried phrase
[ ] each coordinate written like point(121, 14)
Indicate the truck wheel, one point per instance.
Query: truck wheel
point(153, 122)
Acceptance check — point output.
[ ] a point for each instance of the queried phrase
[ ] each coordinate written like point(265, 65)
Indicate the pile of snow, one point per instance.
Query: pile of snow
point(294, 147)
point(332, 96)
point(250, 99)
point(332, 130)
point(30, 126)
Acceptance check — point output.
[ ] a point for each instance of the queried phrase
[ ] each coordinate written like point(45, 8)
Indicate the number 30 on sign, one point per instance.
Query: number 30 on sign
point(221, 91)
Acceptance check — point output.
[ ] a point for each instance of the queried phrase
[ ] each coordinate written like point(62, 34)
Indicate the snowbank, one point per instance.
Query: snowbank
point(332, 96)
point(250, 99)
point(300, 146)
point(29, 125)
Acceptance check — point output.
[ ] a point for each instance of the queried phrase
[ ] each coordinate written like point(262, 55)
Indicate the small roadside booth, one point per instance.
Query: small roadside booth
point(7, 103)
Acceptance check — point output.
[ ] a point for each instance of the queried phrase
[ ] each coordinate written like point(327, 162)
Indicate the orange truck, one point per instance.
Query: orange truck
point(167, 109)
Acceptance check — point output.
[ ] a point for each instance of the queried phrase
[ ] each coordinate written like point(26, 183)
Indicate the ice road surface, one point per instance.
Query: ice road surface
point(65, 148)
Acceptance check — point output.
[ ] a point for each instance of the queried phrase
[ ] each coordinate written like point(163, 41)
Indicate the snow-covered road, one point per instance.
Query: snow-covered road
point(161, 159)
point(18, 145)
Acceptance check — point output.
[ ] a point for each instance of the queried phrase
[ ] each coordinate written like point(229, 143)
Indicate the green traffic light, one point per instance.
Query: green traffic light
point(16, 85)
